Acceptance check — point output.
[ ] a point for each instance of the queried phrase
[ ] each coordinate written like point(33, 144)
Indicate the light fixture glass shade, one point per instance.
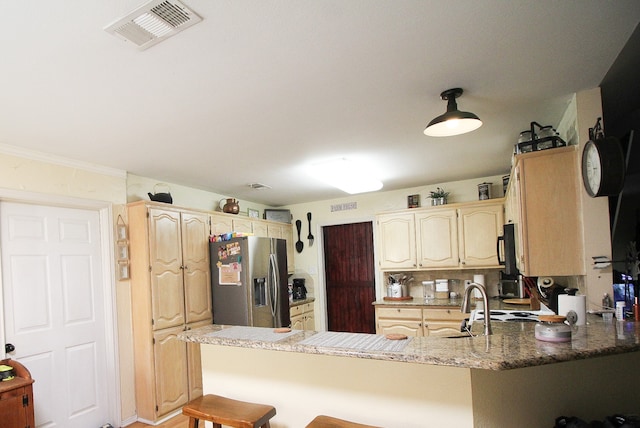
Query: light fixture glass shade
point(454, 121)
point(346, 175)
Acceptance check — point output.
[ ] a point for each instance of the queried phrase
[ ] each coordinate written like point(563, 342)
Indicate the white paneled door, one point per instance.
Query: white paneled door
point(53, 297)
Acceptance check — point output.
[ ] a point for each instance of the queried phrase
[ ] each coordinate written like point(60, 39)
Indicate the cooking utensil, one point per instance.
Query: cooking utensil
point(299, 243)
point(310, 236)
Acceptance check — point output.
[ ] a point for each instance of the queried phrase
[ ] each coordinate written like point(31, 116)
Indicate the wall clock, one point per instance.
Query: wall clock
point(603, 167)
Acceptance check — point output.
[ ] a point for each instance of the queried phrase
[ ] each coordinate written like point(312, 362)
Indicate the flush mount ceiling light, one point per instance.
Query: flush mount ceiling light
point(153, 22)
point(453, 122)
point(346, 175)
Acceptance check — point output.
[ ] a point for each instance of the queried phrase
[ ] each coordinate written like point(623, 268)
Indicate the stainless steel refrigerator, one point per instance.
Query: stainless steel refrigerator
point(249, 282)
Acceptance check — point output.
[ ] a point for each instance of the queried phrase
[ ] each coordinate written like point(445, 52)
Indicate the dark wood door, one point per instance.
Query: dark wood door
point(349, 277)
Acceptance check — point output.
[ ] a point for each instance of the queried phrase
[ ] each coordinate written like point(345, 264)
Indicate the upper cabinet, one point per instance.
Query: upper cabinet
point(446, 237)
point(478, 231)
point(222, 223)
point(543, 201)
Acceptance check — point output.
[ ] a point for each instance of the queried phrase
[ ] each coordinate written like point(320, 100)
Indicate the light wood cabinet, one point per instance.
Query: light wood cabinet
point(170, 292)
point(442, 321)
point(418, 321)
point(437, 238)
point(447, 237)
point(396, 240)
point(478, 231)
point(403, 320)
point(542, 201)
point(302, 317)
point(222, 223)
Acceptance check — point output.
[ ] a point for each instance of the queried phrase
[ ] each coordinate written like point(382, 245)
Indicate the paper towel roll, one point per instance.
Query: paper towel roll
point(478, 279)
point(578, 304)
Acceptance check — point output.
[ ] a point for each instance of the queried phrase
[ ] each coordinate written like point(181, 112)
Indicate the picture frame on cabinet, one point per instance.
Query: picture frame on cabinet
point(413, 201)
point(123, 270)
point(121, 229)
point(123, 250)
point(253, 213)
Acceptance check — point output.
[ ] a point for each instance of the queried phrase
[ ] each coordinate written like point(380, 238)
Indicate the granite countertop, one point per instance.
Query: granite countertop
point(512, 345)
point(301, 301)
point(421, 303)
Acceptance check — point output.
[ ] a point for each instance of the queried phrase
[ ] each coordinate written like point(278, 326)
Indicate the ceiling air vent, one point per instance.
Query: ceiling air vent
point(258, 186)
point(153, 22)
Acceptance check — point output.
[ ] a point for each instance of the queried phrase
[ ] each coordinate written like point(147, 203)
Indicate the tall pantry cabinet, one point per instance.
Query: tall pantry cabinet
point(170, 292)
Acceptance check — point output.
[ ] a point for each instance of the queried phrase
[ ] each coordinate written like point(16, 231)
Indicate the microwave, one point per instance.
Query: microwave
point(507, 251)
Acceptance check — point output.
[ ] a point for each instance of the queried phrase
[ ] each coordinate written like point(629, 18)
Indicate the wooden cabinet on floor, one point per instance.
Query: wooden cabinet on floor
point(302, 317)
point(418, 321)
point(16, 398)
point(170, 292)
point(392, 319)
point(442, 321)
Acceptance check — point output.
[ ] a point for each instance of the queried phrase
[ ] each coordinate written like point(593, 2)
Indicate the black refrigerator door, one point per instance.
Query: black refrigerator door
point(282, 316)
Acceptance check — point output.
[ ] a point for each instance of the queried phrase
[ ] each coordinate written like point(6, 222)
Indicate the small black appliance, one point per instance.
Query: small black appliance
point(299, 289)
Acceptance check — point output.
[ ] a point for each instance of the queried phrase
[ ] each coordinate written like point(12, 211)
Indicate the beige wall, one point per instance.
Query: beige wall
point(138, 187)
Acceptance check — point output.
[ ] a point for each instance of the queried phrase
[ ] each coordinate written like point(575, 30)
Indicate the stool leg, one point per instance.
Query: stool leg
point(193, 422)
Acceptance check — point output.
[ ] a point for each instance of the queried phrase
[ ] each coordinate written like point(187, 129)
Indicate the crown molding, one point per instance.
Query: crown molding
point(60, 160)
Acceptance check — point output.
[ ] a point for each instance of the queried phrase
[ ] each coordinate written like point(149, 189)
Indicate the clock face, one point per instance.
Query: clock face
point(603, 167)
point(591, 168)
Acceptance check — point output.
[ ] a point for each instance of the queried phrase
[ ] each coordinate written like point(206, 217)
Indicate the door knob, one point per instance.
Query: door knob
point(9, 348)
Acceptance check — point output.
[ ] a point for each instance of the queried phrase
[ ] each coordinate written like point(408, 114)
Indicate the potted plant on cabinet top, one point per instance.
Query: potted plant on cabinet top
point(438, 196)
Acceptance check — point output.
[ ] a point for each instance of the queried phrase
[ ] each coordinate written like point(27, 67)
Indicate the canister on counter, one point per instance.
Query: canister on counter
point(428, 290)
point(442, 288)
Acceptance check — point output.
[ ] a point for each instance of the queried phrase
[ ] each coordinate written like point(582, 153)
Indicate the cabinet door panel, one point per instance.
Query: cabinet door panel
point(197, 285)
point(260, 229)
point(437, 237)
point(479, 228)
point(221, 224)
point(242, 225)
point(410, 328)
point(549, 236)
point(397, 241)
point(170, 357)
point(167, 293)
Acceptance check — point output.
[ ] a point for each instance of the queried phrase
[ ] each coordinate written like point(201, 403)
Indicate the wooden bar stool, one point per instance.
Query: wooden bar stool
point(329, 422)
point(233, 413)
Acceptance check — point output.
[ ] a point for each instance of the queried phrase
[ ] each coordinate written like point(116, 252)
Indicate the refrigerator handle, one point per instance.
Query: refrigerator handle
point(275, 282)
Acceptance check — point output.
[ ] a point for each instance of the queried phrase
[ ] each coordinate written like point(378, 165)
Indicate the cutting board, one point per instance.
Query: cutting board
point(517, 301)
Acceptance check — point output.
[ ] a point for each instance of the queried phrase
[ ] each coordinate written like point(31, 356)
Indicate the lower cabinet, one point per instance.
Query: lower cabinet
point(16, 398)
point(418, 321)
point(442, 322)
point(302, 317)
point(399, 320)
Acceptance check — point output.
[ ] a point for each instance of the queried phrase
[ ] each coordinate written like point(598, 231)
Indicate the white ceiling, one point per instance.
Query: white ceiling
point(260, 89)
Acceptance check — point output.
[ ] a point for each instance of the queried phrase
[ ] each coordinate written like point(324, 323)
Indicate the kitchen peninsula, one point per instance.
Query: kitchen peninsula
point(504, 380)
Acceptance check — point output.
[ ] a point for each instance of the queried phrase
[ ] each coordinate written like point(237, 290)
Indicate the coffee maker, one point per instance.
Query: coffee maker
point(299, 290)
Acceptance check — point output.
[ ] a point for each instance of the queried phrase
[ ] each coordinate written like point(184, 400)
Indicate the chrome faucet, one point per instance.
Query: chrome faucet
point(466, 305)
